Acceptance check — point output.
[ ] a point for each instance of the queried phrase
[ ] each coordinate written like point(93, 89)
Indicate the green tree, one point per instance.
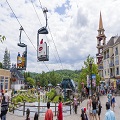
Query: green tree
point(31, 81)
point(2, 38)
point(1, 65)
point(86, 71)
point(6, 60)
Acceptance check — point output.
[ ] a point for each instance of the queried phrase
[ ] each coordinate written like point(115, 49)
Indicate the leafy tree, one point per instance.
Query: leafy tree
point(31, 81)
point(6, 60)
point(86, 71)
point(2, 38)
point(1, 65)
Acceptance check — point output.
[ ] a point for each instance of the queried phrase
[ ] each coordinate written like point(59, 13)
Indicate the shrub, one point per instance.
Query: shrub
point(18, 99)
point(51, 94)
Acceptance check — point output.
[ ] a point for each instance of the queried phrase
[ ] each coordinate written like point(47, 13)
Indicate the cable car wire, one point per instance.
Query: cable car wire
point(20, 24)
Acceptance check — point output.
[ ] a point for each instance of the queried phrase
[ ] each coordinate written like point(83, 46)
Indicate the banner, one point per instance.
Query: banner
point(93, 80)
point(88, 81)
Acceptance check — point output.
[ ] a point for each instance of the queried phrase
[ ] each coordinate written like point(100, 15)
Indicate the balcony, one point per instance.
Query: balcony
point(100, 67)
point(111, 64)
point(117, 62)
point(112, 76)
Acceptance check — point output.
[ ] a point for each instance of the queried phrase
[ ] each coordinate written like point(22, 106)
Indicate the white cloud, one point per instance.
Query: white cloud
point(74, 32)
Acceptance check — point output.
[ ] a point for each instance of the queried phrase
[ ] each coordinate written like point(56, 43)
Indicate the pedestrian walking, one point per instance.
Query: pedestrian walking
point(89, 107)
point(6, 96)
point(49, 113)
point(99, 107)
point(28, 114)
point(4, 109)
point(94, 108)
point(60, 110)
point(109, 96)
point(113, 102)
point(36, 116)
point(109, 115)
point(75, 104)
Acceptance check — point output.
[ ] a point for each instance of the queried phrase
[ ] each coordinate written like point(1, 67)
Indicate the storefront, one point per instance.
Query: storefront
point(4, 79)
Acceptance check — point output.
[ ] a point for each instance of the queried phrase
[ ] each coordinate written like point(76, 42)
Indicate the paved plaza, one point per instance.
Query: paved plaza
point(77, 116)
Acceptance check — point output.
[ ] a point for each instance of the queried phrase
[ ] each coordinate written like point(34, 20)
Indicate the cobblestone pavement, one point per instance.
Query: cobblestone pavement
point(77, 116)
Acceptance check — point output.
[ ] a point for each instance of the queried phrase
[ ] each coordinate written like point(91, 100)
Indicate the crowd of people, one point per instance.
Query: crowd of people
point(92, 111)
point(94, 107)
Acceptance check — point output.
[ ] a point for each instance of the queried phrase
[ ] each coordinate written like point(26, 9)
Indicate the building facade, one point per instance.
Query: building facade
point(5, 76)
point(108, 57)
point(17, 79)
point(111, 71)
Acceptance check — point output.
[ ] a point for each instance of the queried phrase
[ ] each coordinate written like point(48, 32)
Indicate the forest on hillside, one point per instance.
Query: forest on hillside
point(53, 77)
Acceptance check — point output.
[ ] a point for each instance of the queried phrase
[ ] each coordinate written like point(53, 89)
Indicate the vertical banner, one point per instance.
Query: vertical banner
point(93, 80)
point(88, 81)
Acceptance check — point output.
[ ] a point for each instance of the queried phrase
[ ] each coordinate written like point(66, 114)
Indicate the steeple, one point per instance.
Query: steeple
point(100, 22)
point(101, 41)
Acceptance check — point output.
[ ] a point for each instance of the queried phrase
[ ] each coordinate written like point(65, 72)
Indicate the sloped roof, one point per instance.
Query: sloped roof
point(118, 40)
point(111, 42)
point(17, 73)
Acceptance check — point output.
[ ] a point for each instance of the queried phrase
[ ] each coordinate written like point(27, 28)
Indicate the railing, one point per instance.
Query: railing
point(100, 67)
point(111, 64)
point(117, 62)
point(24, 106)
point(112, 75)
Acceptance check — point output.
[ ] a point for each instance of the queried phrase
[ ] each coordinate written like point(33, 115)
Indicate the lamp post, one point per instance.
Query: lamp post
point(90, 65)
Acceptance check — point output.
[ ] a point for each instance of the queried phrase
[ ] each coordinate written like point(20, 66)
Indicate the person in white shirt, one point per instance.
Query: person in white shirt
point(6, 97)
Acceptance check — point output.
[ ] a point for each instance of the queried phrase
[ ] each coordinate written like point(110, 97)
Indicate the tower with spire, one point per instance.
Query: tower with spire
point(101, 42)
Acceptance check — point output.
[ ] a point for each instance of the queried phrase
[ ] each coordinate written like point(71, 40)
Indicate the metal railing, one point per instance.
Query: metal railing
point(39, 106)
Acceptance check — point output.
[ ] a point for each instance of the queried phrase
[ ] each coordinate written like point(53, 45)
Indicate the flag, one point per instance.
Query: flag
point(41, 42)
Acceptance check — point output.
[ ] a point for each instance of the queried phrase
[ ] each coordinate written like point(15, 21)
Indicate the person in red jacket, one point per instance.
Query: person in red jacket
point(60, 110)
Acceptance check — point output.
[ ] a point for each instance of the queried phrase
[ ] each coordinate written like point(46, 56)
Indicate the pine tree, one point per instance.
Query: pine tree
point(1, 65)
point(6, 60)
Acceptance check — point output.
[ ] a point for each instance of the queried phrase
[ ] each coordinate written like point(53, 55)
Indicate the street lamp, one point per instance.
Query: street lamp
point(90, 65)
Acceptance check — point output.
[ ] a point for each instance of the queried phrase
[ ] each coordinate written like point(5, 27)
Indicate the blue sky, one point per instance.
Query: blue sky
point(73, 25)
point(62, 9)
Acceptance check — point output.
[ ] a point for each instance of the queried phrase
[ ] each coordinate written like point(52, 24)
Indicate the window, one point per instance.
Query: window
point(116, 51)
point(116, 60)
point(105, 72)
point(6, 77)
point(117, 71)
point(108, 71)
point(6, 84)
point(104, 55)
point(2, 77)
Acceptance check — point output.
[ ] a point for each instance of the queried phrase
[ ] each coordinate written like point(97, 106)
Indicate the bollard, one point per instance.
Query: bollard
point(70, 109)
point(23, 108)
point(55, 108)
point(13, 109)
point(38, 104)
